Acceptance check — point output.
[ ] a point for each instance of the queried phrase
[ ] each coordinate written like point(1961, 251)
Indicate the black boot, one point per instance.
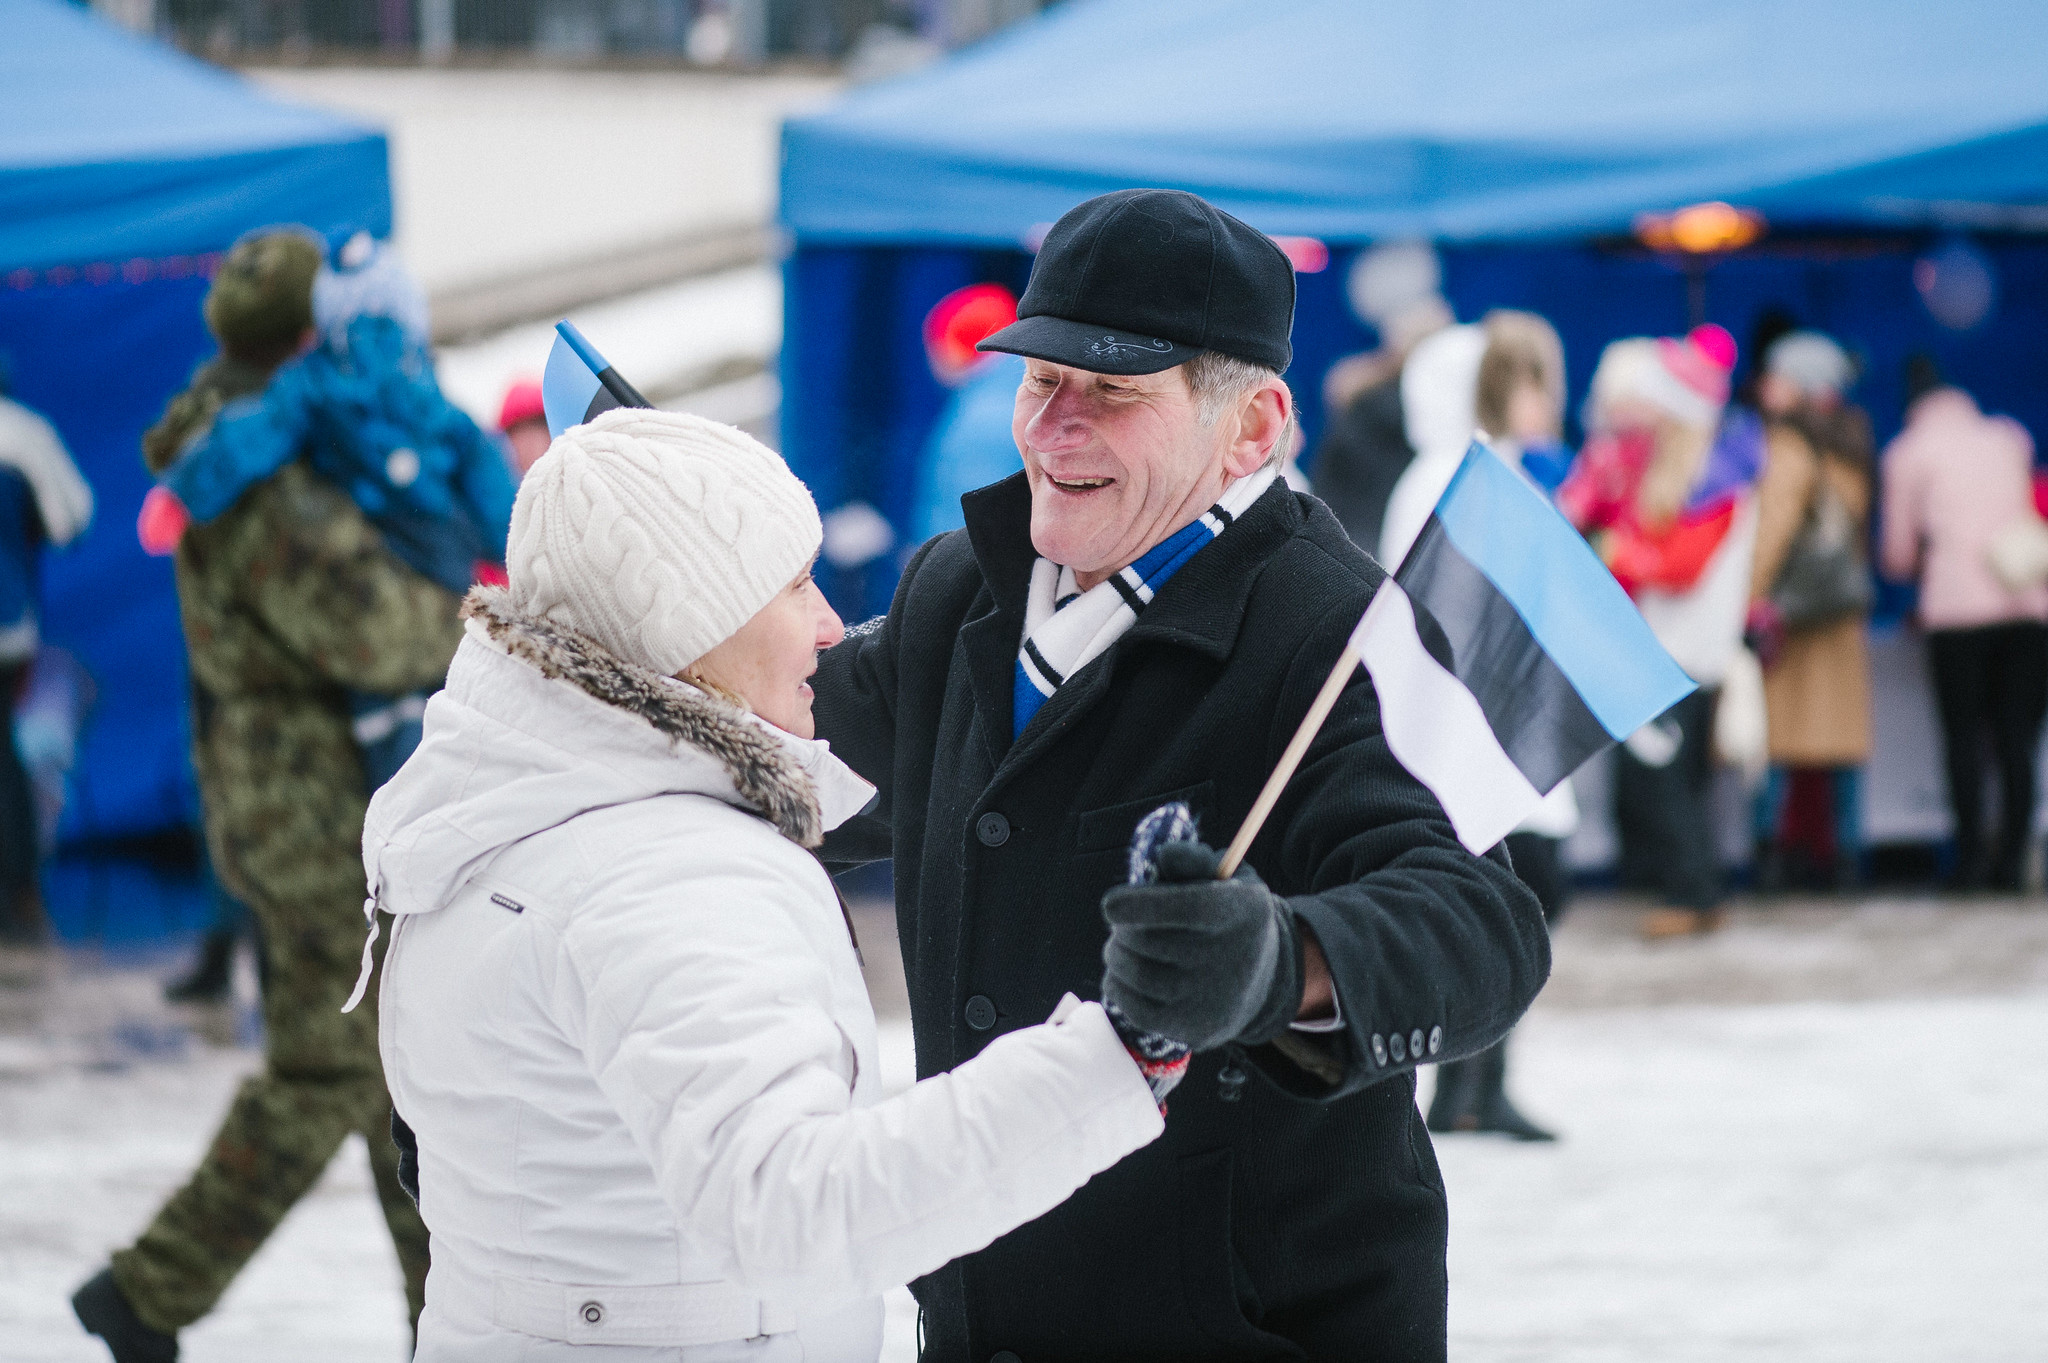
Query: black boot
point(1454, 1105)
point(211, 976)
point(103, 1311)
point(22, 920)
point(1494, 1111)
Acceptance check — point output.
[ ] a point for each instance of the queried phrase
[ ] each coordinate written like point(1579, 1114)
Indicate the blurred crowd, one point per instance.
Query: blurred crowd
point(1749, 521)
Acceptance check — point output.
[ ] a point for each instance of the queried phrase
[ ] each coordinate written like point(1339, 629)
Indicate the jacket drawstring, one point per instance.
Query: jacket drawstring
point(369, 961)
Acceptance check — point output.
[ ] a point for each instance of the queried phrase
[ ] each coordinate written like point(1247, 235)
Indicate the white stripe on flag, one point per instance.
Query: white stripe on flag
point(1436, 728)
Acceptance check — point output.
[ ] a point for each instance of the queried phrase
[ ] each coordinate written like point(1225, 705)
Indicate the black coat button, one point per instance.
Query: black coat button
point(1415, 1043)
point(1004, 1357)
point(1398, 1046)
point(992, 829)
point(981, 1014)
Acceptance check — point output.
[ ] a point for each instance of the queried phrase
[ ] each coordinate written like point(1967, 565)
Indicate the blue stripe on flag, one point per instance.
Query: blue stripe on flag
point(1573, 606)
point(567, 387)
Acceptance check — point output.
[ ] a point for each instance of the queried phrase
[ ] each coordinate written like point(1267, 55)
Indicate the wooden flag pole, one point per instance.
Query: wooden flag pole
point(1311, 725)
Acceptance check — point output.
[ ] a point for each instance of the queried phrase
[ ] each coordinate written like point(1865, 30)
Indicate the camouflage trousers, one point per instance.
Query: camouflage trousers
point(321, 1080)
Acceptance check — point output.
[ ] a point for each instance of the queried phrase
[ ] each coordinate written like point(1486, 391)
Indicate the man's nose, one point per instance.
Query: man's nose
point(1060, 421)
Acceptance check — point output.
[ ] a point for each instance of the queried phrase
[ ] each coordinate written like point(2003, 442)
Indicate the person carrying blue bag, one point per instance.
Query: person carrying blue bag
point(362, 406)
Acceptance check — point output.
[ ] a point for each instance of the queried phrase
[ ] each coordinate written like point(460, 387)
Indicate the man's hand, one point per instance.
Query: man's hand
point(1202, 960)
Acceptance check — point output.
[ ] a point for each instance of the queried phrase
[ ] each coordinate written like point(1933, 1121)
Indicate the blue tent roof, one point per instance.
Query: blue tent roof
point(135, 162)
point(113, 147)
point(1455, 119)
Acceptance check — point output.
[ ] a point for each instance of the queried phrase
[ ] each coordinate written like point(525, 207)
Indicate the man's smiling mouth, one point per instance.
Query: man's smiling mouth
point(1080, 484)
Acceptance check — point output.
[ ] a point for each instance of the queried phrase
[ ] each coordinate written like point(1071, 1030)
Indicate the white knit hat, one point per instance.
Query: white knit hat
point(657, 534)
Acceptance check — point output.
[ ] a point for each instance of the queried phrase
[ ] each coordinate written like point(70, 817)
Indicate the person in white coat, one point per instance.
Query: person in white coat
point(622, 1012)
point(1501, 381)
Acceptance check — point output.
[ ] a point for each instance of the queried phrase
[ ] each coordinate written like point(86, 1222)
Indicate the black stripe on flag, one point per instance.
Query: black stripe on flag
point(601, 402)
point(1537, 715)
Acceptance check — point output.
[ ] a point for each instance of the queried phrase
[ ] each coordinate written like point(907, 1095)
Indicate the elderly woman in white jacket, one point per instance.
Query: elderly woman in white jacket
point(621, 1008)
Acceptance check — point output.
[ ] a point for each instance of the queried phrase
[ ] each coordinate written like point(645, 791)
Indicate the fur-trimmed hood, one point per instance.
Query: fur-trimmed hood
point(539, 724)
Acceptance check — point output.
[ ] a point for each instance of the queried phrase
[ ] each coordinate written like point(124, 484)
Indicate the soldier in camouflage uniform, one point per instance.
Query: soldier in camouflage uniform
point(287, 599)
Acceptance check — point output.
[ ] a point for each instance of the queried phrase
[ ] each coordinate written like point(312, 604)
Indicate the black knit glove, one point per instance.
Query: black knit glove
point(1204, 960)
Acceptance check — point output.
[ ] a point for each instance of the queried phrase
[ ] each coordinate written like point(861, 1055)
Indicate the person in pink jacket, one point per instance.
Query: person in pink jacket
point(1955, 478)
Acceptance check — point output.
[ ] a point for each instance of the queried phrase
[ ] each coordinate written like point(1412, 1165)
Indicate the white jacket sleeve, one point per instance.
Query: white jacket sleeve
point(705, 1018)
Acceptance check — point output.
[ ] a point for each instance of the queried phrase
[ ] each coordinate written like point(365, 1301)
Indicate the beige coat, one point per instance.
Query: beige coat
point(1817, 692)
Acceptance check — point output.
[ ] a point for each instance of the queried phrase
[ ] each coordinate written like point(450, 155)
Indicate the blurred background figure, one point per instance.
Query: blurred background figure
point(1810, 599)
point(971, 445)
point(1955, 480)
point(1438, 384)
point(1520, 400)
point(294, 602)
point(1664, 489)
point(1503, 379)
point(43, 498)
point(361, 404)
point(1395, 290)
point(363, 408)
point(523, 421)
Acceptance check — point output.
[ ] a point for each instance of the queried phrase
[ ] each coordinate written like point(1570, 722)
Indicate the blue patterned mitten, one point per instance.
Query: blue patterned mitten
point(1162, 1060)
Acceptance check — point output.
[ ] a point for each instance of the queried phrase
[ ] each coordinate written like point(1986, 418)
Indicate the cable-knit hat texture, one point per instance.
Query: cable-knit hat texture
point(658, 534)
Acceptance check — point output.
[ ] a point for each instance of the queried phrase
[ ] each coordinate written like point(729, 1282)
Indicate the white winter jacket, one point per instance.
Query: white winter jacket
point(622, 1013)
point(1439, 409)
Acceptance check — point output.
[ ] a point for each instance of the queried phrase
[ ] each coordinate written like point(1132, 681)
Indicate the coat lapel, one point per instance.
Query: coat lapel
point(999, 528)
point(1202, 606)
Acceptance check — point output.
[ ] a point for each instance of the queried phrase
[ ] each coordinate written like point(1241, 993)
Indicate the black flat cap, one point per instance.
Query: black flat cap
point(1144, 279)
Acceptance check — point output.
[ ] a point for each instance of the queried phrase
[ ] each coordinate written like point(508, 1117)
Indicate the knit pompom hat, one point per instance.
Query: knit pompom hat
point(1693, 373)
point(657, 534)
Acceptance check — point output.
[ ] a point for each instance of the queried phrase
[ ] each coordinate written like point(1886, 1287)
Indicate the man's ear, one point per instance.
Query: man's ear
point(1261, 424)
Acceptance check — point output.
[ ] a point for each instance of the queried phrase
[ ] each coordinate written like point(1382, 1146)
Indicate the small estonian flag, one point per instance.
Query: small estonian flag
point(579, 383)
point(1505, 654)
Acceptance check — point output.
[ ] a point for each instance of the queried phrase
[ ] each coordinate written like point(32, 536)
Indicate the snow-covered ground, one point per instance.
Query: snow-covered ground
point(1808, 1182)
point(495, 172)
point(1836, 1171)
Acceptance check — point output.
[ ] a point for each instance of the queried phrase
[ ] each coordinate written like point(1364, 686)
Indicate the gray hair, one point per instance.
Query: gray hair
point(1220, 382)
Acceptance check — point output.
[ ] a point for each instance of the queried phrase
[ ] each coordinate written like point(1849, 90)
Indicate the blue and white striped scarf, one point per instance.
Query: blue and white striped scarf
point(1066, 628)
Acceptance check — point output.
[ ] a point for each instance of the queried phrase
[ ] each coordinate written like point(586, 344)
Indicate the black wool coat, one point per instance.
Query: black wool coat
point(1283, 1216)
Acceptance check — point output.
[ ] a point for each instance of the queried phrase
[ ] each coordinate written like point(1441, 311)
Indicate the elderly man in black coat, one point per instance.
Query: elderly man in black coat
point(1143, 616)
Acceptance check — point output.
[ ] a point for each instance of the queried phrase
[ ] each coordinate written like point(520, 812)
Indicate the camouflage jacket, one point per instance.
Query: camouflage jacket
point(289, 599)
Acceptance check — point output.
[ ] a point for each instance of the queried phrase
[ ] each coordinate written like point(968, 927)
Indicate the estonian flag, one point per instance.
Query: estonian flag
point(579, 383)
point(1505, 654)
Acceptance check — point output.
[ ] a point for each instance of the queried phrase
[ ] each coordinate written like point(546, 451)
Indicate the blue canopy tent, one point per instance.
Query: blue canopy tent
point(1524, 139)
point(125, 169)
